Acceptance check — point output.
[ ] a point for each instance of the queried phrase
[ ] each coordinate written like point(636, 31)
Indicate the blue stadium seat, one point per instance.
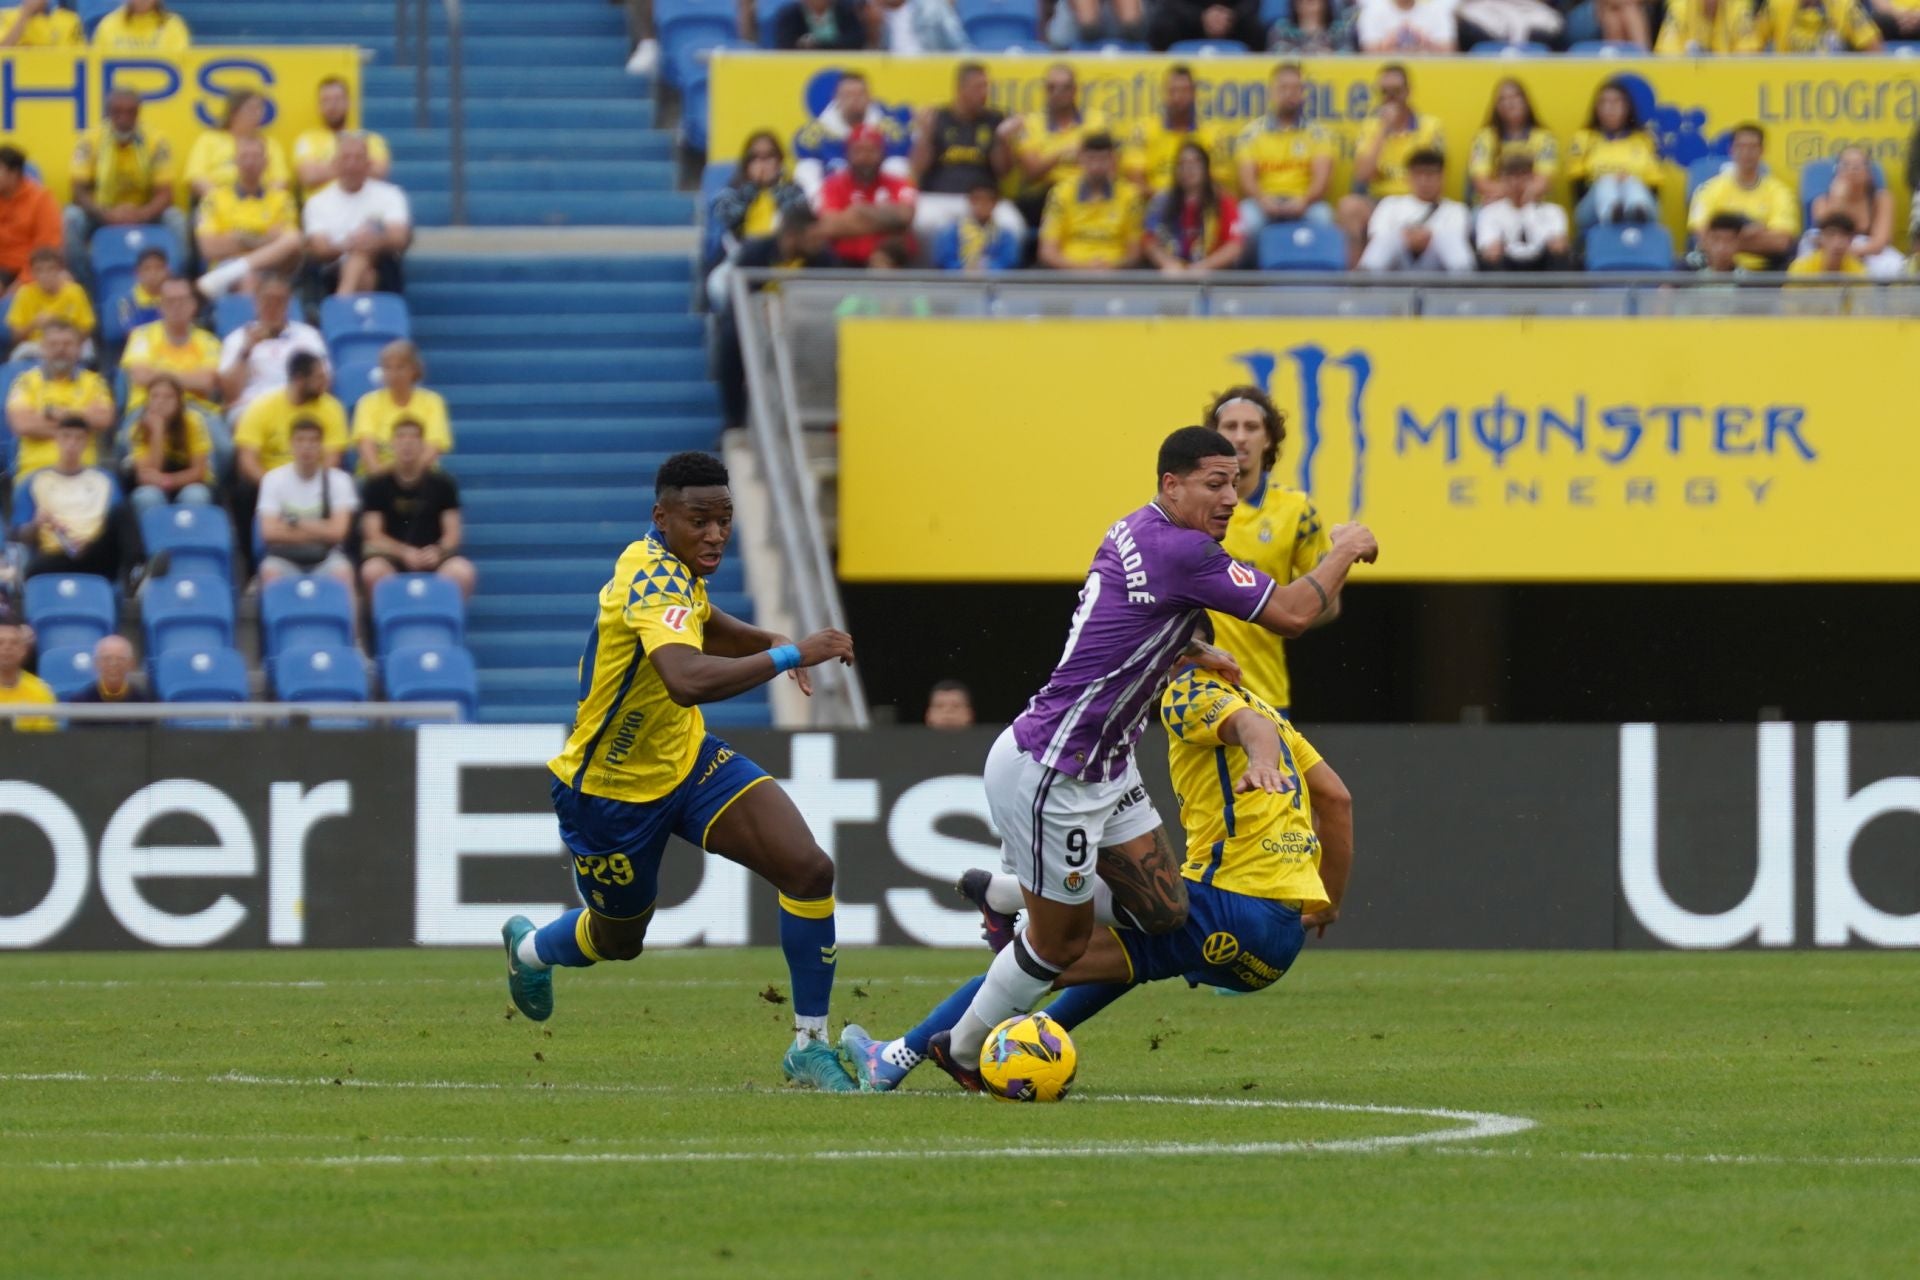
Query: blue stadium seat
point(91, 11)
point(1629, 247)
point(1302, 246)
point(432, 674)
point(1272, 11)
point(304, 612)
point(418, 610)
point(1702, 169)
point(354, 379)
point(694, 108)
point(1524, 49)
point(1207, 48)
point(1115, 47)
point(689, 61)
point(1605, 49)
point(232, 311)
point(12, 369)
point(320, 673)
point(71, 610)
point(210, 674)
point(996, 24)
point(358, 325)
point(1041, 46)
point(114, 251)
point(1817, 175)
point(199, 539)
point(687, 26)
point(713, 180)
point(764, 12)
point(187, 612)
point(68, 670)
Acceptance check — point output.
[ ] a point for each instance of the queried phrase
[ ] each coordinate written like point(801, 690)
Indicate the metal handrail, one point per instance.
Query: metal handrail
point(121, 712)
point(1516, 281)
point(421, 56)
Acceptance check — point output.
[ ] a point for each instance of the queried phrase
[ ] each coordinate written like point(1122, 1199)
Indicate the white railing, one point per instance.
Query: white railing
point(234, 713)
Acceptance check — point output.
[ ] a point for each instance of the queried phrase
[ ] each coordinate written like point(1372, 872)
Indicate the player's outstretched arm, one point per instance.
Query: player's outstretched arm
point(1333, 817)
point(1254, 734)
point(693, 677)
point(1295, 608)
point(729, 637)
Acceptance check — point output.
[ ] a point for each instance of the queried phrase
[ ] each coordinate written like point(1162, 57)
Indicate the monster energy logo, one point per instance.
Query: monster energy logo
point(1309, 362)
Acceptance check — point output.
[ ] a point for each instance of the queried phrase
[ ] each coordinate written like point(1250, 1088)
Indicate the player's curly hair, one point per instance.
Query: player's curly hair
point(1275, 419)
point(690, 470)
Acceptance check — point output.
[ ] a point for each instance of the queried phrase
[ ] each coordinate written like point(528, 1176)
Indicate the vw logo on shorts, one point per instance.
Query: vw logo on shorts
point(1220, 948)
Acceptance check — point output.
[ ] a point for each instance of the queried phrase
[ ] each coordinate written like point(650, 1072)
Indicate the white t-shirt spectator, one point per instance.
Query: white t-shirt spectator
point(1521, 231)
point(1384, 23)
point(267, 362)
point(285, 492)
point(1450, 249)
point(337, 214)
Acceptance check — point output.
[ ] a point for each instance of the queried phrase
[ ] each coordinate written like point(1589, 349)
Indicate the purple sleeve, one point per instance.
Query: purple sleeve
point(1211, 579)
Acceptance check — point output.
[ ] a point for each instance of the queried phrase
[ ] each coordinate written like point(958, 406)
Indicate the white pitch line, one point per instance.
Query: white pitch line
point(1683, 1157)
point(196, 984)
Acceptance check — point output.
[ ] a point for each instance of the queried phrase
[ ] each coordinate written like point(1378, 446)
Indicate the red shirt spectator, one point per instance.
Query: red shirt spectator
point(864, 210)
point(29, 219)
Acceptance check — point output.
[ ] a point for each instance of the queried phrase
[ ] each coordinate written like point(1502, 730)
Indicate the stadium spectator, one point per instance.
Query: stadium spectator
point(43, 398)
point(262, 439)
point(1815, 26)
point(1899, 20)
point(29, 219)
point(1147, 157)
point(1315, 26)
point(142, 26)
point(798, 243)
point(18, 685)
point(1422, 230)
point(246, 228)
point(1832, 253)
point(1855, 192)
point(957, 147)
point(69, 514)
point(40, 24)
point(1719, 252)
point(1388, 137)
point(113, 680)
point(169, 450)
point(949, 706)
point(410, 517)
point(1708, 26)
point(253, 358)
point(1084, 22)
point(919, 26)
point(1046, 145)
point(821, 144)
point(1519, 231)
point(358, 227)
point(750, 205)
point(214, 161)
point(401, 399)
point(306, 511)
point(174, 346)
point(1613, 164)
point(977, 243)
point(820, 24)
point(121, 177)
point(140, 305)
point(1286, 161)
point(1093, 222)
point(867, 214)
point(1228, 21)
point(49, 293)
point(1407, 26)
point(315, 149)
point(1511, 127)
point(1771, 208)
point(1192, 225)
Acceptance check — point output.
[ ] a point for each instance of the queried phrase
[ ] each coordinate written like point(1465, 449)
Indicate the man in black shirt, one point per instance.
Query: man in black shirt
point(410, 518)
point(955, 147)
point(113, 681)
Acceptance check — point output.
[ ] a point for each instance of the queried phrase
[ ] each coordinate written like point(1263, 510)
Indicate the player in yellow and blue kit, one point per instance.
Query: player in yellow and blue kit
point(1269, 837)
point(640, 766)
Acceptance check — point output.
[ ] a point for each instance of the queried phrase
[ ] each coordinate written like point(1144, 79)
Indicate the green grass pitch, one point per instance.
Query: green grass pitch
point(380, 1115)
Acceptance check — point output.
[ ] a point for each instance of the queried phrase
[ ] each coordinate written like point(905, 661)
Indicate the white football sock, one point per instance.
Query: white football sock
point(897, 1053)
point(808, 1029)
point(1016, 981)
point(1003, 894)
point(528, 954)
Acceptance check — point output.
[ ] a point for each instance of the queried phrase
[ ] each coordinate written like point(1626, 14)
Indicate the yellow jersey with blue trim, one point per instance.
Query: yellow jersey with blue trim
point(1279, 532)
point(1261, 844)
point(630, 740)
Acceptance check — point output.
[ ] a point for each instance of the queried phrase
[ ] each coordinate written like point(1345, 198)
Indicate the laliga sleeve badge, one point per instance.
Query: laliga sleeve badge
point(675, 617)
point(1242, 576)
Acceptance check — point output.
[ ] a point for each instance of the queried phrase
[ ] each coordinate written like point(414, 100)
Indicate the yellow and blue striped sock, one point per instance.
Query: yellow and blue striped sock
point(564, 941)
point(807, 938)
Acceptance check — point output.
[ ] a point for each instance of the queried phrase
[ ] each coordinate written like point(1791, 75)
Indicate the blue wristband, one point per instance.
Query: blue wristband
point(785, 657)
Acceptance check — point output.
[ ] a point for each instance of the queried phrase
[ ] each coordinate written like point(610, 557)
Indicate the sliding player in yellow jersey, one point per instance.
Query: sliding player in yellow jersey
point(640, 766)
point(1269, 838)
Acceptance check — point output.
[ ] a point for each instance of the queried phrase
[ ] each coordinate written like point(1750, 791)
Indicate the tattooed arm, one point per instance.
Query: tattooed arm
point(1144, 874)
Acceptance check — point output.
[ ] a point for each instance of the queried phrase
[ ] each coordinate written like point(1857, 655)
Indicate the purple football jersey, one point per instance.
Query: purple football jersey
point(1151, 581)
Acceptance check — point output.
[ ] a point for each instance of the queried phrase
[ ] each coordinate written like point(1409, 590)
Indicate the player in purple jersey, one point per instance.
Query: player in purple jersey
point(1061, 782)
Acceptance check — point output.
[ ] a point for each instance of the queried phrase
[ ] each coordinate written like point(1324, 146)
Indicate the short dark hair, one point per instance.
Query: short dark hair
point(966, 69)
point(949, 686)
point(983, 184)
point(46, 253)
point(1180, 69)
point(147, 255)
point(1182, 452)
point(1426, 158)
point(305, 424)
point(1734, 222)
point(13, 159)
point(1099, 140)
point(1395, 69)
point(271, 279)
point(333, 80)
point(1748, 126)
point(1286, 67)
point(72, 422)
point(1839, 221)
point(857, 76)
point(690, 470)
point(301, 363)
point(797, 217)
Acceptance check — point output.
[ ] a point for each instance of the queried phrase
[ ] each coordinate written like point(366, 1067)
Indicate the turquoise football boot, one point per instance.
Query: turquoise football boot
point(817, 1066)
point(531, 989)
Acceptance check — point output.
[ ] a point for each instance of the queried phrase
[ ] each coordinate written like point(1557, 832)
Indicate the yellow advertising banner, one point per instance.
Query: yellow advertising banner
point(1537, 450)
point(1810, 107)
point(50, 98)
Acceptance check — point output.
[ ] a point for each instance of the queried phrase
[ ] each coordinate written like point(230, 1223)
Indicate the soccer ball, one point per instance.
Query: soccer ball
point(1030, 1058)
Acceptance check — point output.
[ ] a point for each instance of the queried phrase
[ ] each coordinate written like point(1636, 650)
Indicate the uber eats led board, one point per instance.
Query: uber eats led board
point(1521, 450)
